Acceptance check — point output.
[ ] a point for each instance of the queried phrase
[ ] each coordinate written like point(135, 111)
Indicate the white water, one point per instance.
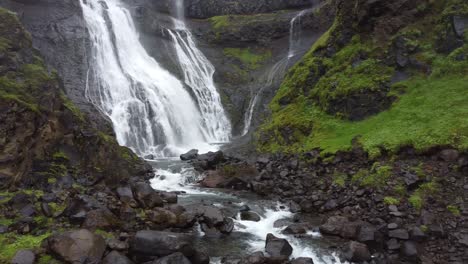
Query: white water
point(278, 70)
point(150, 109)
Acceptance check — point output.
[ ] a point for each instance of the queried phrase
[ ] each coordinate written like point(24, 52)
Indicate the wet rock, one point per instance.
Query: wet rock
point(116, 258)
point(227, 226)
point(175, 258)
point(125, 194)
point(200, 257)
point(417, 234)
point(255, 258)
point(366, 233)
point(74, 246)
point(24, 257)
point(357, 252)
point(149, 157)
point(399, 233)
point(209, 160)
point(101, 219)
point(277, 247)
point(47, 210)
point(334, 225)
point(294, 229)
point(244, 208)
point(159, 243)
point(192, 154)
point(250, 216)
point(169, 197)
point(162, 217)
point(302, 261)
point(116, 244)
point(146, 195)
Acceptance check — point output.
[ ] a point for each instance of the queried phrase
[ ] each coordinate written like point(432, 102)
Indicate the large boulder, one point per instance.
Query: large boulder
point(146, 195)
point(192, 154)
point(116, 258)
point(159, 243)
point(24, 257)
point(250, 216)
point(277, 247)
point(76, 246)
point(357, 252)
point(175, 258)
point(101, 219)
point(334, 225)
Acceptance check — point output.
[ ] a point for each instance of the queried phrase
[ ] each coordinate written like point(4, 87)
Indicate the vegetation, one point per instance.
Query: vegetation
point(340, 179)
point(10, 243)
point(454, 210)
point(376, 177)
point(249, 59)
point(429, 108)
point(391, 201)
point(418, 198)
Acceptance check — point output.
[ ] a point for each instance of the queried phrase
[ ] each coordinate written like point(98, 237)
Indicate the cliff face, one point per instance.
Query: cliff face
point(44, 136)
point(385, 75)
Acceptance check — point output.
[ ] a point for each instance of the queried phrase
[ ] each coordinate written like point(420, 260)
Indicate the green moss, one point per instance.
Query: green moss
point(251, 60)
point(376, 177)
point(424, 228)
point(104, 234)
point(391, 201)
point(60, 155)
point(4, 44)
point(11, 243)
point(454, 210)
point(219, 22)
point(47, 259)
point(400, 189)
point(340, 179)
point(57, 207)
point(72, 107)
point(417, 199)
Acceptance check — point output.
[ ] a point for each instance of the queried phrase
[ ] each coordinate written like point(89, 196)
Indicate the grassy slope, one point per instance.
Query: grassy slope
point(433, 110)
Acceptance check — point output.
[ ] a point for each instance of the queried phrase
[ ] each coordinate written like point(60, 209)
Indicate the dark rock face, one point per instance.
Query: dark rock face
point(74, 246)
point(158, 243)
point(176, 258)
point(209, 8)
point(277, 247)
point(146, 195)
point(192, 154)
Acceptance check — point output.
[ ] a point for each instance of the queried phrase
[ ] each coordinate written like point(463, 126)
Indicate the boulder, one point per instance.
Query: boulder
point(47, 210)
point(175, 258)
point(76, 245)
point(209, 160)
point(399, 234)
point(116, 258)
point(101, 219)
point(302, 261)
point(169, 197)
point(357, 252)
point(250, 216)
point(146, 195)
point(460, 25)
point(449, 155)
point(293, 229)
point(200, 257)
point(125, 194)
point(24, 257)
point(334, 225)
point(255, 258)
point(277, 247)
point(192, 154)
point(162, 217)
point(366, 233)
point(409, 251)
point(159, 243)
point(417, 234)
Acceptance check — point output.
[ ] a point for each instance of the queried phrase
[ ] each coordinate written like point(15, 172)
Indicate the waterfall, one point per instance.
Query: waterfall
point(198, 75)
point(279, 68)
point(151, 110)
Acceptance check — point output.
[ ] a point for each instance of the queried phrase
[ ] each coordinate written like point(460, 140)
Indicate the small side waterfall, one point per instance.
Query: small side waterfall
point(151, 110)
point(278, 70)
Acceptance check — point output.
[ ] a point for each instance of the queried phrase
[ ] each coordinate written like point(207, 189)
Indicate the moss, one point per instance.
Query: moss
point(11, 243)
point(72, 107)
point(391, 201)
point(219, 22)
point(47, 259)
point(57, 207)
point(104, 234)
point(424, 228)
point(417, 199)
point(340, 179)
point(400, 189)
point(250, 60)
point(376, 177)
point(454, 210)
point(59, 155)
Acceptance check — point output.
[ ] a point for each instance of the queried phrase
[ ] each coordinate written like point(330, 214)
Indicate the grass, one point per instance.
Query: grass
point(11, 243)
point(376, 177)
point(339, 179)
point(391, 200)
point(248, 58)
point(418, 198)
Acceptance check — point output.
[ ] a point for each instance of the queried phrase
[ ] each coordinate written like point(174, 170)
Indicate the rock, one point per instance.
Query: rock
point(302, 261)
point(393, 244)
point(200, 258)
point(330, 205)
point(169, 197)
point(436, 230)
point(125, 194)
point(366, 233)
point(277, 247)
point(116, 244)
point(74, 246)
point(334, 225)
point(350, 230)
point(48, 198)
point(192, 154)
point(175, 258)
point(392, 226)
point(399, 233)
point(227, 226)
point(409, 250)
point(116, 258)
point(463, 240)
point(146, 195)
point(101, 219)
point(392, 208)
point(24, 257)
point(357, 252)
point(28, 210)
point(162, 217)
point(411, 180)
point(159, 243)
point(209, 160)
point(250, 216)
point(244, 208)
point(149, 157)
point(417, 234)
point(449, 155)
point(256, 258)
point(47, 210)
point(294, 229)
point(460, 25)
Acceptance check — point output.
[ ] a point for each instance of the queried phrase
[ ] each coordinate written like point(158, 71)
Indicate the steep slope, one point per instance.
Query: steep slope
point(385, 75)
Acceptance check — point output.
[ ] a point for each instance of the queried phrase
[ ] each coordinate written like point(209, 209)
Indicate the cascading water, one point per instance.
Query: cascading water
point(150, 109)
point(198, 75)
point(277, 71)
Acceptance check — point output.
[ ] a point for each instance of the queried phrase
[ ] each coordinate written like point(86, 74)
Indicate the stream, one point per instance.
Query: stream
point(174, 175)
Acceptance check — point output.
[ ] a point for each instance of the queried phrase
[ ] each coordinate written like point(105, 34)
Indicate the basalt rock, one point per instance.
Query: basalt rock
point(277, 247)
point(115, 257)
point(158, 243)
point(357, 252)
